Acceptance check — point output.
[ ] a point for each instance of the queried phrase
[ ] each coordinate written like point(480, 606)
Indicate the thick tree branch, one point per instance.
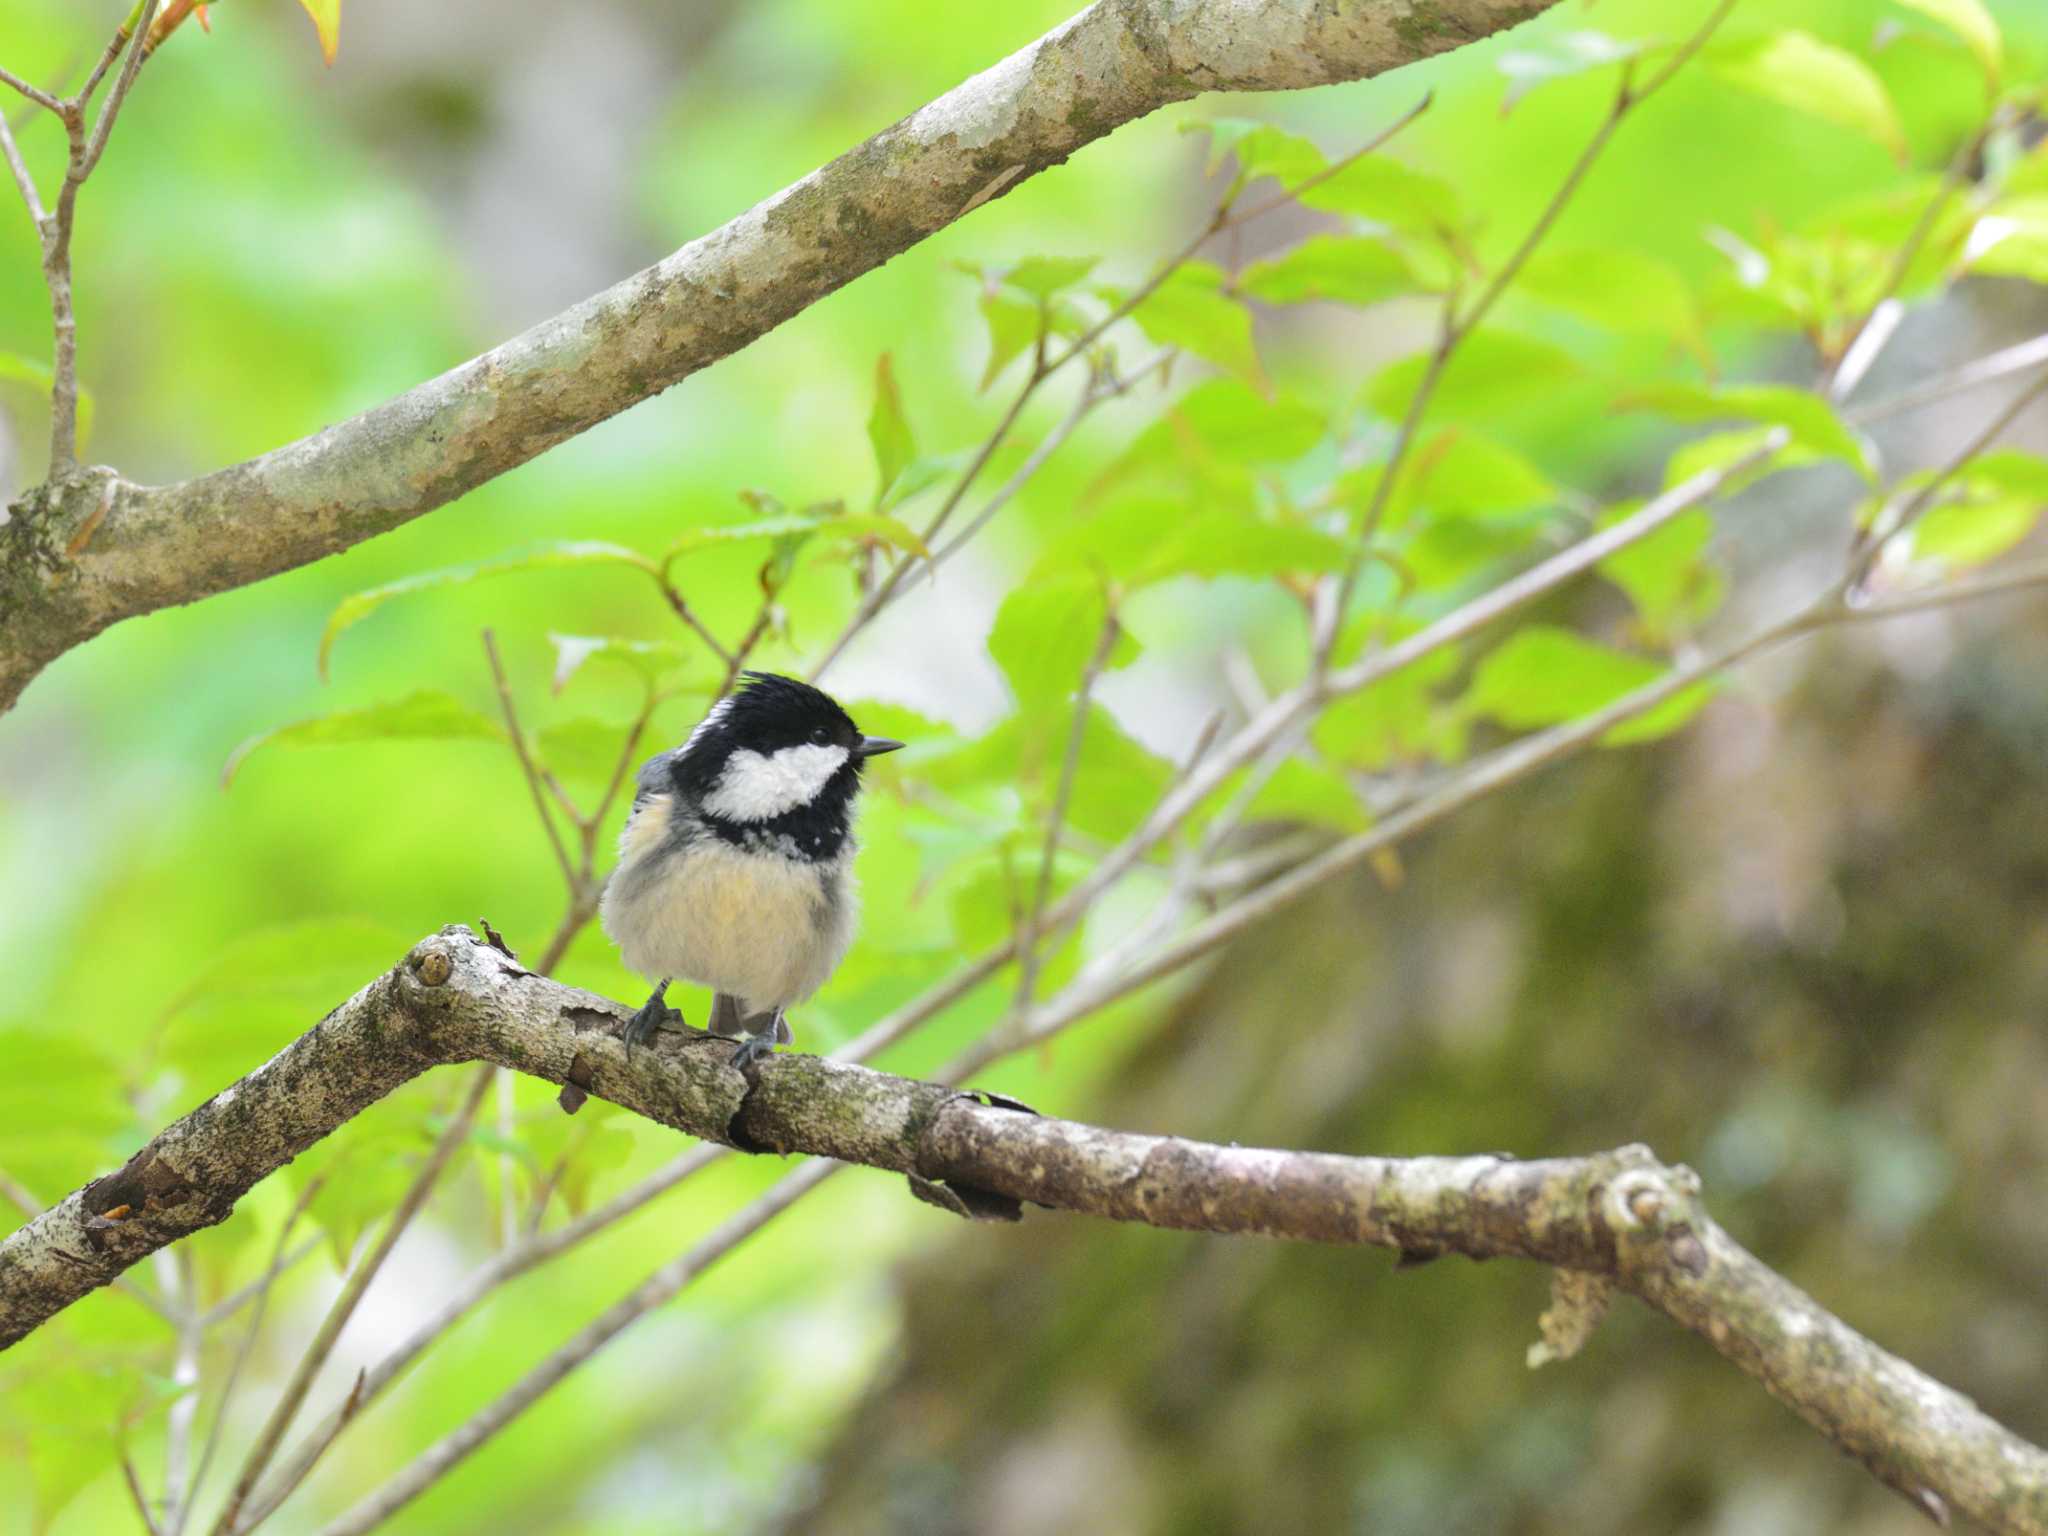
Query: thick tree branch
point(1619, 1215)
point(70, 568)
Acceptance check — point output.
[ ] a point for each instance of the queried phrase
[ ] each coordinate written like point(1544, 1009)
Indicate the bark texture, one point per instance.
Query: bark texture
point(1619, 1215)
point(82, 555)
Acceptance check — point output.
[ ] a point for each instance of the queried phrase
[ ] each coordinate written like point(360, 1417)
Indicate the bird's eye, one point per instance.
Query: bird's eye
point(821, 735)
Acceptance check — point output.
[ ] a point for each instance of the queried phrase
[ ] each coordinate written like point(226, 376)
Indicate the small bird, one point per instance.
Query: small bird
point(735, 863)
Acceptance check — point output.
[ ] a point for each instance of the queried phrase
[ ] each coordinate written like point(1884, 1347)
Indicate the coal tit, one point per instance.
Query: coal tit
point(734, 866)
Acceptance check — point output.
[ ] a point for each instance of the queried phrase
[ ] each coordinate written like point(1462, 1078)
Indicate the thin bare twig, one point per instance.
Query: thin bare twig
point(1028, 957)
point(24, 179)
point(1895, 519)
point(136, 1496)
point(453, 1135)
point(279, 1261)
point(130, 67)
point(174, 1272)
point(526, 762)
point(1989, 369)
point(34, 93)
point(435, 1462)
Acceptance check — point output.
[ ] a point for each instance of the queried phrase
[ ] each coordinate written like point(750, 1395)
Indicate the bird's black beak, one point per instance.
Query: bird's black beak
point(875, 746)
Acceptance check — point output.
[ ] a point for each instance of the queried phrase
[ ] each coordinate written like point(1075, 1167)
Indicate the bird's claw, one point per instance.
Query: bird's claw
point(642, 1026)
point(753, 1048)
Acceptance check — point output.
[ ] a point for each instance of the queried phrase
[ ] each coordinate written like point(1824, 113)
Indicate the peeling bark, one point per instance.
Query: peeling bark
point(154, 546)
point(1620, 1215)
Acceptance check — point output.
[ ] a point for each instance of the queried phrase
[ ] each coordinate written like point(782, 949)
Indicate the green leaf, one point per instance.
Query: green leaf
point(1994, 503)
point(583, 751)
point(1543, 675)
point(1308, 792)
point(354, 609)
point(1044, 276)
point(1389, 193)
point(1348, 269)
point(1045, 632)
point(62, 1104)
point(1239, 423)
point(1623, 290)
point(326, 16)
point(1811, 420)
point(1559, 58)
point(1012, 330)
point(2011, 240)
point(1460, 474)
point(1396, 721)
point(266, 987)
point(40, 377)
point(1973, 24)
point(1191, 310)
point(1491, 372)
point(652, 660)
point(1116, 780)
point(1666, 575)
point(427, 714)
point(1798, 70)
point(1717, 450)
point(1975, 528)
point(888, 428)
point(1260, 149)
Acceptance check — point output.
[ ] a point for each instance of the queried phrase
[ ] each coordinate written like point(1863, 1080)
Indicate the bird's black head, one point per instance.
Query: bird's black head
point(776, 756)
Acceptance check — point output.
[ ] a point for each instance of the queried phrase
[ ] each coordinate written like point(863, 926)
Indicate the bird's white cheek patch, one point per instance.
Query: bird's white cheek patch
point(755, 788)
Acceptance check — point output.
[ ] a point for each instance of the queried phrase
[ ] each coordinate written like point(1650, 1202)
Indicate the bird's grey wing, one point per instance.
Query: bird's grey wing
point(653, 778)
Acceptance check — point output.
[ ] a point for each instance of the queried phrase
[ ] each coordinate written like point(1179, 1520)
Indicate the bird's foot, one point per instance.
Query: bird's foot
point(761, 1043)
point(653, 1015)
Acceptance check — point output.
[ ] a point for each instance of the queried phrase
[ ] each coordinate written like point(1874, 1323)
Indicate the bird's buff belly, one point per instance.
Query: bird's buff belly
point(766, 930)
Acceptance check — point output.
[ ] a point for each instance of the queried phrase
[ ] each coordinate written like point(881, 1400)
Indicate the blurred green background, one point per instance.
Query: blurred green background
point(1798, 946)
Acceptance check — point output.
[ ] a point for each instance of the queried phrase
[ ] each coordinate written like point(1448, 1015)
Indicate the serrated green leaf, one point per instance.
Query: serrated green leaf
point(354, 609)
point(1543, 675)
point(1044, 633)
point(2011, 240)
point(1717, 450)
point(1811, 420)
point(1491, 372)
point(1191, 310)
point(1622, 290)
point(1973, 24)
point(1666, 575)
point(888, 429)
point(1315, 793)
point(265, 988)
point(1044, 276)
point(1458, 473)
point(428, 714)
point(1012, 331)
point(1798, 70)
point(1260, 149)
point(1233, 420)
point(1972, 529)
point(1346, 269)
point(651, 660)
point(1117, 781)
point(1993, 503)
point(1559, 57)
point(1390, 193)
point(1396, 721)
point(583, 750)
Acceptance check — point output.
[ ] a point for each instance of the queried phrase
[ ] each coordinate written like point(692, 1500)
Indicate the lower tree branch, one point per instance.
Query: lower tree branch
point(1621, 1216)
point(155, 546)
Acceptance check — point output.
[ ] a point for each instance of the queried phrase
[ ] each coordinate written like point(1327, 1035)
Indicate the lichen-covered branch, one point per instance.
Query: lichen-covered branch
point(74, 560)
point(1619, 1215)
